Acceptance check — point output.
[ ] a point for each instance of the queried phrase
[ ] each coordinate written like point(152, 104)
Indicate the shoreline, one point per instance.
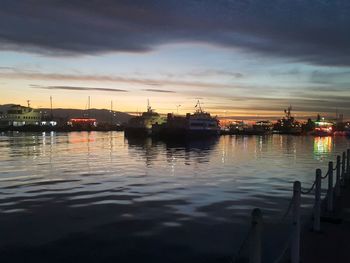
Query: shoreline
point(134, 136)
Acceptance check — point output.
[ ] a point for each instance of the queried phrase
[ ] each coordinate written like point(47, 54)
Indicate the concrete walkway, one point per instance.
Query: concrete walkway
point(332, 244)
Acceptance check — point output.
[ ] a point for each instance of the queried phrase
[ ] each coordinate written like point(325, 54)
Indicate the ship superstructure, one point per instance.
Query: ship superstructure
point(143, 124)
point(18, 116)
point(201, 121)
point(288, 124)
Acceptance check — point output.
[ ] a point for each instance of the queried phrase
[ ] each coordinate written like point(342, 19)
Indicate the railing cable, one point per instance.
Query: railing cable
point(288, 210)
point(309, 191)
point(284, 250)
point(324, 177)
point(290, 240)
point(244, 242)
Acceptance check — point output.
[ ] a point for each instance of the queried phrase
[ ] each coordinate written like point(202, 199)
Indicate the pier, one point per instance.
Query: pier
point(321, 238)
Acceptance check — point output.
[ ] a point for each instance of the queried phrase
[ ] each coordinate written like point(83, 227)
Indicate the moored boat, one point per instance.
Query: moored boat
point(142, 125)
point(202, 123)
point(323, 128)
point(345, 131)
point(197, 124)
point(288, 124)
point(263, 127)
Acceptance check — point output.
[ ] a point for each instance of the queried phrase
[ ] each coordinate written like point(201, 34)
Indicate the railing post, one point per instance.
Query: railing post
point(337, 183)
point(343, 169)
point(256, 237)
point(330, 188)
point(348, 163)
point(295, 239)
point(317, 208)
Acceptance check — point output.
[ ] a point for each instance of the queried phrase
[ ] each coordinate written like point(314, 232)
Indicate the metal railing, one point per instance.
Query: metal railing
point(254, 236)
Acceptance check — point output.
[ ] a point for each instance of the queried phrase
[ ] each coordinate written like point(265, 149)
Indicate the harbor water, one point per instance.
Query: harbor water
point(101, 197)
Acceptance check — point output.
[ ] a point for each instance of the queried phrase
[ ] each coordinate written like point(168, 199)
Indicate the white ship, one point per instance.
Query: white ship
point(202, 122)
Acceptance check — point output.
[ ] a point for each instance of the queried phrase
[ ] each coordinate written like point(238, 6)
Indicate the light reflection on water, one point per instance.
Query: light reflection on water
point(323, 145)
point(64, 176)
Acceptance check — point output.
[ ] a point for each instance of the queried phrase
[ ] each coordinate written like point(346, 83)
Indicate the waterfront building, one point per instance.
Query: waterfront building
point(82, 123)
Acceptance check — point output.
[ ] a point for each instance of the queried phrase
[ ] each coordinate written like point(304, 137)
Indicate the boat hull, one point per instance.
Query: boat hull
point(186, 133)
point(322, 133)
point(137, 131)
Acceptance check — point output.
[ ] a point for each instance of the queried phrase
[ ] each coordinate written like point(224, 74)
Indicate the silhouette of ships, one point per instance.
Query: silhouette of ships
point(150, 123)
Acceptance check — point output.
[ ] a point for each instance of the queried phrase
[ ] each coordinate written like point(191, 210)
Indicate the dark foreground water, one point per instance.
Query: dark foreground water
point(99, 197)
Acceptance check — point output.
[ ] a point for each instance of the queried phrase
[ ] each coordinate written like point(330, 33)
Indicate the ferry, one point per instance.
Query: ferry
point(199, 123)
point(347, 129)
point(323, 128)
point(142, 125)
point(237, 127)
point(343, 130)
point(288, 124)
point(18, 116)
point(202, 123)
point(258, 128)
point(262, 127)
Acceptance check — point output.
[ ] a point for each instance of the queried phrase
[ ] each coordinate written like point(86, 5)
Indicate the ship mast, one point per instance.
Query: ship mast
point(148, 106)
point(177, 108)
point(199, 106)
point(288, 112)
point(88, 113)
point(111, 112)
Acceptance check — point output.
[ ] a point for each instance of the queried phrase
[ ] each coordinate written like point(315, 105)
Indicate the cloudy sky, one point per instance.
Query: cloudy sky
point(242, 58)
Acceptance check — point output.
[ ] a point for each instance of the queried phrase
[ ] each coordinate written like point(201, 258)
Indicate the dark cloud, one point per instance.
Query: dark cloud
point(19, 74)
point(301, 102)
point(335, 78)
point(77, 88)
point(153, 84)
point(159, 90)
point(316, 31)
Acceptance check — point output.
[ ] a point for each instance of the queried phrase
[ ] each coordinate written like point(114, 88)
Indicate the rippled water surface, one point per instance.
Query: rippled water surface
point(127, 199)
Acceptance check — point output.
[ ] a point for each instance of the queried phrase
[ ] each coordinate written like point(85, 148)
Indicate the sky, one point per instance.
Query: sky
point(240, 58)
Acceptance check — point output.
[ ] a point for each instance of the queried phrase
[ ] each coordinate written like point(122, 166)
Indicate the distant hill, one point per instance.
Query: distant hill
point(5, 107)
point(102, 115)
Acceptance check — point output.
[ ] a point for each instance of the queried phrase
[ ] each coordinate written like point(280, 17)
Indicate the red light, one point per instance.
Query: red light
point(82, 120)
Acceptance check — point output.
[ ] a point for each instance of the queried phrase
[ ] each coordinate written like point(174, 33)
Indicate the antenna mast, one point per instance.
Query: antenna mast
point(51, 108)
point(28, 103)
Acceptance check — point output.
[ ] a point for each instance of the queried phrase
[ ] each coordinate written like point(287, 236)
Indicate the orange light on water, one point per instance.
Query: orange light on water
point(323, 144)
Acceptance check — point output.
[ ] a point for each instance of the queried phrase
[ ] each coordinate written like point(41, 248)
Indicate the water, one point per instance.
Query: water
point(99, 196)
